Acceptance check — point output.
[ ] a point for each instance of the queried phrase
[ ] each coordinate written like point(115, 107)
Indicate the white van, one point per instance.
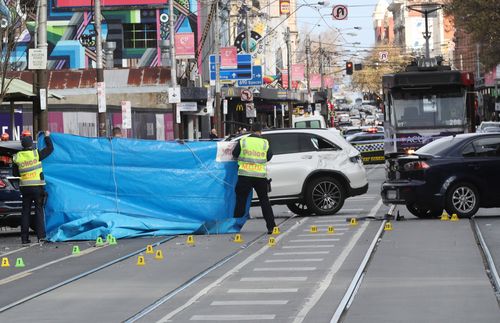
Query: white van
point(313, 121)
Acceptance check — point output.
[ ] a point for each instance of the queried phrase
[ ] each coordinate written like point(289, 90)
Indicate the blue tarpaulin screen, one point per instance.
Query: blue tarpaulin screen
point(130, 188)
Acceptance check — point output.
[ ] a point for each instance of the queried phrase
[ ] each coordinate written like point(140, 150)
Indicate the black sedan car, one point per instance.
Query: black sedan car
point(10, 196)
point(457, 173)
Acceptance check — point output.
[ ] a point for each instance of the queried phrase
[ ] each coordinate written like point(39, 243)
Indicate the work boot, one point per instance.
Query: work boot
point(25, 241)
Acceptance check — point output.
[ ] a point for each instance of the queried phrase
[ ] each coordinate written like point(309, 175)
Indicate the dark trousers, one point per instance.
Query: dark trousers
point(243, 188)
point(32, 194)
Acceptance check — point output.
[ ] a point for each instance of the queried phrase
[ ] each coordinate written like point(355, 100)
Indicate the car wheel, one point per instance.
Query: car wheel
point(325, 195)
point(422, 212)
point(299, 208)
point(462, 199)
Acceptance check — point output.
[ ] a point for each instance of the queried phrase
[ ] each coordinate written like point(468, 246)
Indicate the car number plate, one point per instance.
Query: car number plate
point(392, 194)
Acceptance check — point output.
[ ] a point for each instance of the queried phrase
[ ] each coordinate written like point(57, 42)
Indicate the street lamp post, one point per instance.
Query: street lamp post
point(426, 12)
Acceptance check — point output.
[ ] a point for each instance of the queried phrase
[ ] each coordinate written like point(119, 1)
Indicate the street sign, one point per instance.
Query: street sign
point(383, 56)
point(246, 95)
point(242, 72)
point(126, 114)
point(187, 106)
point(250, 110)
point(37, 59)
point(339, 12)
point(256, 77)
point(174, 94)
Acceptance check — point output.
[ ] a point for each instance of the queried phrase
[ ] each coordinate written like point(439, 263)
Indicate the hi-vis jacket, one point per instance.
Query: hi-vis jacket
point(30, 168)
point(253, 157)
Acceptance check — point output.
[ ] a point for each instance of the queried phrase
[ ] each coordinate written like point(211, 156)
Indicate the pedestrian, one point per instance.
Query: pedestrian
point(213, 134)
point(117, 132)
point(253, 153)
point(6, 160)
point(28, 166)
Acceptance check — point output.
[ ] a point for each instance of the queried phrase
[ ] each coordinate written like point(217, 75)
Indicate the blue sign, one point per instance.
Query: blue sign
point(242, 72)
point(256, 77)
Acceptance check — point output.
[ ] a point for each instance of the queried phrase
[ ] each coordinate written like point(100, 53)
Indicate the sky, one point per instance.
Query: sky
point(359, 15)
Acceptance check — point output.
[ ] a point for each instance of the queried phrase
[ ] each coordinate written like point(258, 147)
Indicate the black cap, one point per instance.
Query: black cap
point(257, 127)
point(27, 142)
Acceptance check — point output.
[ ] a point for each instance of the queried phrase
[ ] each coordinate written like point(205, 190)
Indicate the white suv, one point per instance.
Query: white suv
point(313, 171)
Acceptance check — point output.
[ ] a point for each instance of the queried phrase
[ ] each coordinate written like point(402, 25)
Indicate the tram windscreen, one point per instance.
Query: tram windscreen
point(427, 109)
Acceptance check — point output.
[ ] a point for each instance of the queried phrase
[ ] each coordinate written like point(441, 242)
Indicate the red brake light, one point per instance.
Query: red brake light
point(2, 184)
point(416, 165)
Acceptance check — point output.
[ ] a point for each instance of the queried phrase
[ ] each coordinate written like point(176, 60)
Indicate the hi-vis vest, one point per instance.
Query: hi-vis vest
point(253, 157)
point(30, 168)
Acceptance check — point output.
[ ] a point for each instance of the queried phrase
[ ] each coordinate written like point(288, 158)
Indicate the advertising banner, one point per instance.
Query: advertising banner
point(284, 7)
point(78, 4)
point(184, 45)
point(284, 78)
point(298, 72)
point(314, 81)
point(229, 57)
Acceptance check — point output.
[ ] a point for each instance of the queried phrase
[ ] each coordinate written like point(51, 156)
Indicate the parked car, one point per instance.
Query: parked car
point(10, 196)
point(486, 126)
point(311, 121)
point(456, 173)
point(370, 144)
point(313, 171)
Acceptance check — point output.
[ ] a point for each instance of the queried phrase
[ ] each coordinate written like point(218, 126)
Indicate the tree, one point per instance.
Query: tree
point(369, 79)
point(13, 15)
point(481, 19)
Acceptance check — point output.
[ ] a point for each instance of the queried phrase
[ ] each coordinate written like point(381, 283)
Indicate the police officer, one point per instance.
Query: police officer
point(252, 153)
point(28, 166)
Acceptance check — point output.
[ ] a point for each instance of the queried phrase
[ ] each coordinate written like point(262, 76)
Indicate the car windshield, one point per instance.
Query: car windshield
point(485, 125)
point(437, 146)
point(421, 109)
point(316, 124)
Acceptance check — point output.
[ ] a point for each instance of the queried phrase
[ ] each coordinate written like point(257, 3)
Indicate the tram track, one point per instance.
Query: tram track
point(489, 263)
point(356, 281)
point(165, 298)
point(80, 276)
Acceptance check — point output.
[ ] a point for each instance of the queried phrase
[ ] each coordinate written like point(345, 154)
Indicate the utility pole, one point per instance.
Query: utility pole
point(247, 30)
point(173, 68)
point(217, 112)
point(101, 87)
point(289, 66)
point(40, 118)
point(321, 65)
point(308, 52)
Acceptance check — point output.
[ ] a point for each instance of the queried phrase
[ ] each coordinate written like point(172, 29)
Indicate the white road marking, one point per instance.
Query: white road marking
point(300, 253)
point(229, 273)
point(335, 227)
point(284, 269)
point(364, 197)
point(326, 282)
point(347, 211)
point(321, 234)
point(261, 302)
point(309, 246)
point(262, 290)
point(295, 260)
point(314, 240)
point(331, 221)
point(233, 317)
point(18, 249)
point(272, 279)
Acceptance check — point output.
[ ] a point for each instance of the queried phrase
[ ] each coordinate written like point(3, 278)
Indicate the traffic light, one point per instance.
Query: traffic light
point(348, 68)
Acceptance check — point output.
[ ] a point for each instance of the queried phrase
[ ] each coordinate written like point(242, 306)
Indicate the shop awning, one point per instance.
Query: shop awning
point(18, 90)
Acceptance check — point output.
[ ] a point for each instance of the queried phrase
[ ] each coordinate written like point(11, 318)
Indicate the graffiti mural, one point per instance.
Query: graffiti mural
point(71, 36)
